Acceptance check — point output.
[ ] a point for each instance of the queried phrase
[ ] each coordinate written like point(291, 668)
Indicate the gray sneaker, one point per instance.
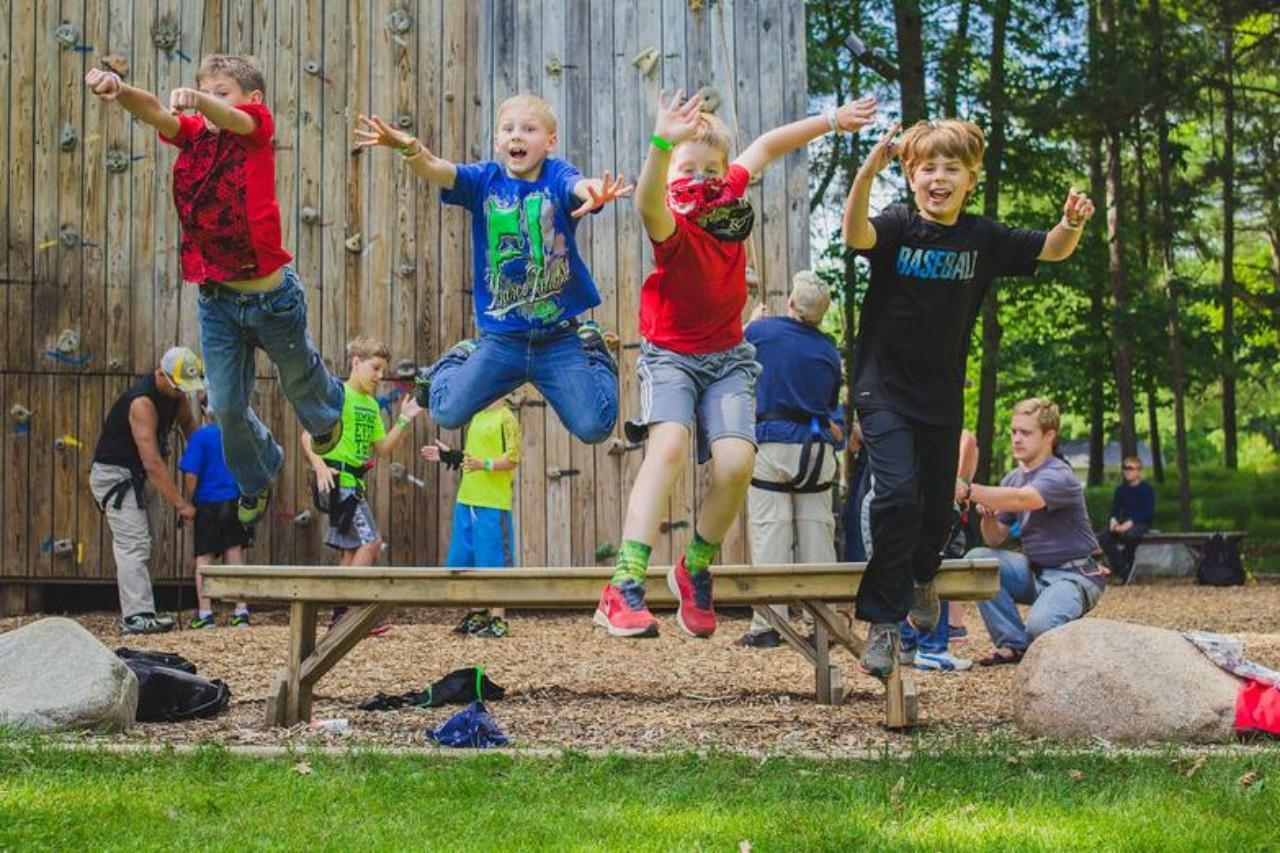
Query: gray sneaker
point(877, 657)
point(926, 609)
point(145, 623)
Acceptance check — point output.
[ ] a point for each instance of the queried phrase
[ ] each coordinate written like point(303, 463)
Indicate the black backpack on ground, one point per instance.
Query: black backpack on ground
point(1220, 563)
point(169, 689)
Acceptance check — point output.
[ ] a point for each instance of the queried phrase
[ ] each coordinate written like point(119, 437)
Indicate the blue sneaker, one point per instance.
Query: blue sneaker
point(940, 662)
point(594, 339)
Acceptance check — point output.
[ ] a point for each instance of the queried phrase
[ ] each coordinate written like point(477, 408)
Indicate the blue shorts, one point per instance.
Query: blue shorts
point(482, 538)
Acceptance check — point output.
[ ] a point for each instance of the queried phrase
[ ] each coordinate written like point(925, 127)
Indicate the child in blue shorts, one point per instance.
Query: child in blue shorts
point(482, 531)
point(530, 281)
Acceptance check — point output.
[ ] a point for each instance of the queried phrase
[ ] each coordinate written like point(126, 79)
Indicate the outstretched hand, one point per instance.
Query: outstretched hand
point(184, 99)
point(1077, 210)
point(883, 152)
point(103, 83)
point(855, 115)
point(677, 118)
point(378, 132)
point(601, 191)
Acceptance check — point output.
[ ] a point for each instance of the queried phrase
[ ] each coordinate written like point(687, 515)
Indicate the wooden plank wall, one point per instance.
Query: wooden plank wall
point(94, 251)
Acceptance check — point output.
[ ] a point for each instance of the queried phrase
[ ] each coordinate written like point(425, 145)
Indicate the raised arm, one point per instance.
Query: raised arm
point(1063, 238)
point(443, 173)
point(858, 232)
point(850, 117)
point(676, 121)
point(222, 114)
point(141, 104)
point(597, 192)
point(409, 410)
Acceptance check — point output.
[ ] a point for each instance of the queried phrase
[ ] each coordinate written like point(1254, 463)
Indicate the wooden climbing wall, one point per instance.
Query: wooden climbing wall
point(92, 293)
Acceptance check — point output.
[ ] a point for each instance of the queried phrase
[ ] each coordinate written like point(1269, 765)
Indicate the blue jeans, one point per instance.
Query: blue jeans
point(930, 642)
point(1056, 596)
point(232, 327)
point(579, 382)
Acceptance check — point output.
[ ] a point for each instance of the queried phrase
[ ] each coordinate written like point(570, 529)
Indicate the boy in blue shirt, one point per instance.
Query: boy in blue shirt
point(218, 531)
point(530, 281)
point(1133, 509)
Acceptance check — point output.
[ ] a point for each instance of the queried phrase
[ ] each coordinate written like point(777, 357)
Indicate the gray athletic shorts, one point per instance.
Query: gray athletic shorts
point(362, 531)
point(713, 394)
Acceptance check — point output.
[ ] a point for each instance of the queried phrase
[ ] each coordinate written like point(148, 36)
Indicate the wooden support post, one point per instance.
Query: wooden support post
point(340, 639)
point(822, 666)
point(302, 641)
point(900, 695)
point(275, 711)
point(836, 679)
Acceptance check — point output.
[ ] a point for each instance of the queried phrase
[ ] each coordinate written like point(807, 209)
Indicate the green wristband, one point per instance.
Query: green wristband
point(661, 144)
point(402, 422)
point(488, 464)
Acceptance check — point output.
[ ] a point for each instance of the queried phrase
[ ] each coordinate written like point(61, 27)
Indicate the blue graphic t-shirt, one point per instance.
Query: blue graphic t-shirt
point(528, 271)
point(927, 283)
point(203, 457)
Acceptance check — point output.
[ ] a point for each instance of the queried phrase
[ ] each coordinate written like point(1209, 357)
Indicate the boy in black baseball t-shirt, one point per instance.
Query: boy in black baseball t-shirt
point(930, 270)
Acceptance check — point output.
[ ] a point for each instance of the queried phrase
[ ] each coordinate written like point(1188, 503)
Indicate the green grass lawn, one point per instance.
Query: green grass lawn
point(1220, 500)
point(961, 799)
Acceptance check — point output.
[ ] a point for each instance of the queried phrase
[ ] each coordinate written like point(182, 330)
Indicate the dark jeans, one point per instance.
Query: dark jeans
point(1121, 547)
point(914, 465)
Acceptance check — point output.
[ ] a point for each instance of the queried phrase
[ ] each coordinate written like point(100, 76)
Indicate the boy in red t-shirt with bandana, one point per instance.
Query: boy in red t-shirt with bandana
point(697, 374)
point(224, 191)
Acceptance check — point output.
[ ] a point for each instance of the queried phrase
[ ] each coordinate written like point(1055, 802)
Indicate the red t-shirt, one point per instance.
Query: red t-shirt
point(224, 187)
point(692, 301)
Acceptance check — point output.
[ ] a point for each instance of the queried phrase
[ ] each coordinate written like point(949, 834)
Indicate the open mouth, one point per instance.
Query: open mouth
point(517, 152)
point(940, 195)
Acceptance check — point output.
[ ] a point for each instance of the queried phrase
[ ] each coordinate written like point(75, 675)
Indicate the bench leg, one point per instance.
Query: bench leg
point(822, 666)
point(901, 706)
point(302, 641)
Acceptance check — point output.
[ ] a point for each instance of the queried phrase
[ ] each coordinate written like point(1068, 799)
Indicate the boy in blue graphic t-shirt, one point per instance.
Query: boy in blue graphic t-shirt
point(530, 282)
point(931, 268)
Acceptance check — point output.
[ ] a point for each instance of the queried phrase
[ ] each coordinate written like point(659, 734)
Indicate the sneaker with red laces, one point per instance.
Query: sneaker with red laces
point(697, 615)
point(623, 613)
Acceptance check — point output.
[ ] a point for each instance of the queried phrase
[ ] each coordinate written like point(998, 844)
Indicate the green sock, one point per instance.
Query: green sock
point(633, 562)
point(699, 554)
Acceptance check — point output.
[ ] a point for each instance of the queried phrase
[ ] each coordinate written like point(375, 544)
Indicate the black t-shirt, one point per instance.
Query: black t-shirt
point(927, 285)
point(116, 445)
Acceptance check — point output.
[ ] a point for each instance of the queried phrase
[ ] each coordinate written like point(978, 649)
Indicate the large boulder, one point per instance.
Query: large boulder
point(1122, 682)
point(56, 675)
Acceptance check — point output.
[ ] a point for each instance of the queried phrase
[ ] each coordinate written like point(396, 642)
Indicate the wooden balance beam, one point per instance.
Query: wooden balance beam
point(373, 592)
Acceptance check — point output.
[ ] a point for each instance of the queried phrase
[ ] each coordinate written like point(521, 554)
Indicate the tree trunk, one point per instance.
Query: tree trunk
point(1229, 452)
point(991, 331)
point(955, 57)
point(1153, 433)
point(1098, 322)
point(1122, 347)
point(908, 23)
point(1164, 237)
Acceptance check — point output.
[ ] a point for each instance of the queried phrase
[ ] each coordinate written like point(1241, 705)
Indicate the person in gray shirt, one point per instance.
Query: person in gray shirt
point(1042, 502)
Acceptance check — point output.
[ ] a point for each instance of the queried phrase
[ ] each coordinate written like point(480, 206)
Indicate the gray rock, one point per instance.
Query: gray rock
point(56, 675)
point(1126, 683)
point(1164, 561)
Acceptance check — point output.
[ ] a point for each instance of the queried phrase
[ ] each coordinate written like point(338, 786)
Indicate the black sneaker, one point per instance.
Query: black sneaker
point(252, 507)
point(473, 623)
point(926, 609)
point(422, 381)
point(496, 628)
point(593, 338)
point(201, 622)
point(323, 443)
point(240, 619)
point(766, 640)
point(877, 656)
point(145, 623)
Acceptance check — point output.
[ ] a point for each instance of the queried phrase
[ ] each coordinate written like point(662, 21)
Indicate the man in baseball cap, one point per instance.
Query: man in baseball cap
point(184, 369)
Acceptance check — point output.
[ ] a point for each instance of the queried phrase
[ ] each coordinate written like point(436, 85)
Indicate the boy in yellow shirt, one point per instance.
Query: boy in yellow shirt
point(482, 530)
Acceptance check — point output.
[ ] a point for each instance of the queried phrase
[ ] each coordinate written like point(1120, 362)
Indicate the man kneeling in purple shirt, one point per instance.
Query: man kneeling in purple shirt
point(1056, 572)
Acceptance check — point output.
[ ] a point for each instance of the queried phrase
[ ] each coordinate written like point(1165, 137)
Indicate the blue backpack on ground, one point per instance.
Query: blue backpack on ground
point(470, 728)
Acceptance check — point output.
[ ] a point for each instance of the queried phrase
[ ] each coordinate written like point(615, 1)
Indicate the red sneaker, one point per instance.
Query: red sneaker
point(697, 615)
point(622, 611)
point(381, 628)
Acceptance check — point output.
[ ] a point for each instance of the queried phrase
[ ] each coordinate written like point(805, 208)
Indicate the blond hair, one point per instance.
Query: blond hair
point(365, 348)
point(245, 70)
point(534, 104)
point(949, 137)
point(1131, 460)
point(1044, 412)
point(809, 296)
point(713, 133)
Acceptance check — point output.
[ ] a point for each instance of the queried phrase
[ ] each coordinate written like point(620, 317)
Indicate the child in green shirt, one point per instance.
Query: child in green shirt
point(482, 530)
point(339, 474)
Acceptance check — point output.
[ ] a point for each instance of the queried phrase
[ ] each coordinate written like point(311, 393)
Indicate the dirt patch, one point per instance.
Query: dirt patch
point(570, 686)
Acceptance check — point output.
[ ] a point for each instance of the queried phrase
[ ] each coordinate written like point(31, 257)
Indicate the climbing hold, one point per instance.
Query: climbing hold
point(63, 546)
point(406, 269)
point(69, 237)
point(668, 526)
point(405, 368)
point(646, 60)
point(312, 66)
point(404, 121)
point(165, 34)
point(398, 21)
point(67, 138)
point(117, 63)
point(310, 216)
point(710, 98)
point(398, 471)
point(618, 446)
point(415, 481)
point(67, 34)
point(117, 160)
point(62, 442)
point(554, 473)
point(753, 278)
point(20, 413)
point(354, 243)
point(554, 66)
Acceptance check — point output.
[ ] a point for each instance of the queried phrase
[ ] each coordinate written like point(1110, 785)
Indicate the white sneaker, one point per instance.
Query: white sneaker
point(942, 661)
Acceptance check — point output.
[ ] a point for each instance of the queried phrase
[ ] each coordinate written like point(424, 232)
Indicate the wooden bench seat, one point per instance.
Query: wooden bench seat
point(373, 592)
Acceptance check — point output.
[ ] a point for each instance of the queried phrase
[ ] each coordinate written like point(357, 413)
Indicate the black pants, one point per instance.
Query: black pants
point(1121, 547)
point(914, 466)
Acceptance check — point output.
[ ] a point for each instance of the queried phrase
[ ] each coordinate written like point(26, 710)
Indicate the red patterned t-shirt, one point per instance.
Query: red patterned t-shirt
point(224, 187)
